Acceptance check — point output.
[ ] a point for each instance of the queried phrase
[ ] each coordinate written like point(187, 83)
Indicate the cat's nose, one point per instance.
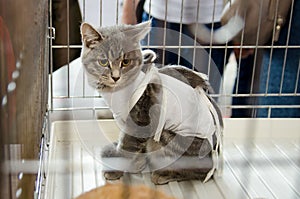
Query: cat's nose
point(115, 78)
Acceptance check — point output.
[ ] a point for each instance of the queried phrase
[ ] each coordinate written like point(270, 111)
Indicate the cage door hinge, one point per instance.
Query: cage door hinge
point(51, 33)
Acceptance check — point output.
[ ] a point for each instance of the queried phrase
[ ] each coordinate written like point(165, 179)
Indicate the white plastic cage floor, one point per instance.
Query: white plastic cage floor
point(261, 160)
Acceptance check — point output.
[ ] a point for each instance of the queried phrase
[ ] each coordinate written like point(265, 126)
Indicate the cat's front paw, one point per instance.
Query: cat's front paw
point(113, 175)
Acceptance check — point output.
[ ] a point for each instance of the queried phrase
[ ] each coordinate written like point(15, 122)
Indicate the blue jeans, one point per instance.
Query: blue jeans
point(290, 70)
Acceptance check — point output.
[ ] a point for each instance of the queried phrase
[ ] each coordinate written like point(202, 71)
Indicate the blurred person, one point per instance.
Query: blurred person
point(262, 23)
point(199, 19)
point(171, 26)
point(202, 20)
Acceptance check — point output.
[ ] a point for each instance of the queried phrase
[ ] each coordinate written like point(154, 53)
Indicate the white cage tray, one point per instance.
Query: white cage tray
point(261, 160)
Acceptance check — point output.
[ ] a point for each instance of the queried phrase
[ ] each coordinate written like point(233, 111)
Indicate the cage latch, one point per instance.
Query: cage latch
point(51, 33)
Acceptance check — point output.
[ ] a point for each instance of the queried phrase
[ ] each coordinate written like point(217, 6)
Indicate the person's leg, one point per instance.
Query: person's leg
point(62, 56)
point(281, 75)
point(247, 82)
point(276, 84)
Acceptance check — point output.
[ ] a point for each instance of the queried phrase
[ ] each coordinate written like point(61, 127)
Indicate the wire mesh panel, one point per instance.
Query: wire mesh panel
point(69, 89)
point(248, 49)
point(260, 80)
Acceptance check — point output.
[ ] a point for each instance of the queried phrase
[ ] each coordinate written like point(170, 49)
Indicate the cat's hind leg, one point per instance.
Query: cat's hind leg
point(178, 158)
point(196, 170)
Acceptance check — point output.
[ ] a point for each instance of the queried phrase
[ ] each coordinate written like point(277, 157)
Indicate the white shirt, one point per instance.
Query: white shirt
point(209, 10)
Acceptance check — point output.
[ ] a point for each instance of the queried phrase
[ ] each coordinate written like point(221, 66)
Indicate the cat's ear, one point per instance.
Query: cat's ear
point(90, 36)
point(138, 31)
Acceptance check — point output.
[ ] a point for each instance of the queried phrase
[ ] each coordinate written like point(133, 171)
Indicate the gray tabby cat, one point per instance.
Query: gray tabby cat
point(144, 100)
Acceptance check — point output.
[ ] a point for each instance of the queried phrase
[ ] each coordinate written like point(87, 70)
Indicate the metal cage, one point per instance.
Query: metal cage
point(46, 101)
point(262, 96)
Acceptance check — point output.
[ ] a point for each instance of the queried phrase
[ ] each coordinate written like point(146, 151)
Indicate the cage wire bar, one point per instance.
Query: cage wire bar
point(253, 93)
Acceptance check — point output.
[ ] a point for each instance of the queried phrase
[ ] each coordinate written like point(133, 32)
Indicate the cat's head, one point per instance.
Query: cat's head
point(112, 55)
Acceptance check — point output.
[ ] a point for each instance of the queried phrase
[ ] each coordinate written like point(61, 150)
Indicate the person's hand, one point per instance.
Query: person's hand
point(242, 52)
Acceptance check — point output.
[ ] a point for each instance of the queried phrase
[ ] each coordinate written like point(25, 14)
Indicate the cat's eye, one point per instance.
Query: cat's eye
point(125, 62)
point(103, 62)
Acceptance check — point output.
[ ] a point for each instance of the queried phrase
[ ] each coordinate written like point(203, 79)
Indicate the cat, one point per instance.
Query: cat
point(121, 191)
point(169, 125)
